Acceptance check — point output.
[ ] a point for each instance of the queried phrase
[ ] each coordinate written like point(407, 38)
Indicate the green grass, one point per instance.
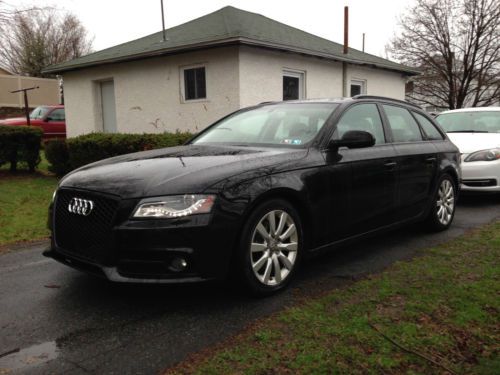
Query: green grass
point(443, 305)
point(24, 199)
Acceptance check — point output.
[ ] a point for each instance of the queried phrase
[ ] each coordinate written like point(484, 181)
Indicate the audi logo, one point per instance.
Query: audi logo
point(80, 206)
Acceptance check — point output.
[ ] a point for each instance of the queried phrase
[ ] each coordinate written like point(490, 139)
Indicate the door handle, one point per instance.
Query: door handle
point(431, 159)
point(391, 165)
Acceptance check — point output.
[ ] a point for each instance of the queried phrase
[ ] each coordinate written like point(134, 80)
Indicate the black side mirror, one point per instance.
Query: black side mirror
point(352, 139)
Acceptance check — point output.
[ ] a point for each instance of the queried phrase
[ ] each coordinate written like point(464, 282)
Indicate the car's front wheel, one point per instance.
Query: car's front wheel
point(270, 247)
point(444, 202)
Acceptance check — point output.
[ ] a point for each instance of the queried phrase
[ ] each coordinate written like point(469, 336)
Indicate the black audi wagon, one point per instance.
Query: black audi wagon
point(256, 192)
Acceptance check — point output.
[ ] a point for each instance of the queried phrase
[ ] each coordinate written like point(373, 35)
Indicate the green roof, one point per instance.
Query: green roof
point(228, 26)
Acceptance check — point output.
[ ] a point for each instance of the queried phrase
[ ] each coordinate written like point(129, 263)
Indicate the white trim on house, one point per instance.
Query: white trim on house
point(301, 75)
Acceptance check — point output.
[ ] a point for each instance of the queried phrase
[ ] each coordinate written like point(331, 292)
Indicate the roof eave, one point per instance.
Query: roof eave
point(55, 69)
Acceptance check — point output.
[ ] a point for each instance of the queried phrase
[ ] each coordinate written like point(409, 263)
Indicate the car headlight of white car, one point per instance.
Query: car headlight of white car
point(484, 155)
point(176, 206)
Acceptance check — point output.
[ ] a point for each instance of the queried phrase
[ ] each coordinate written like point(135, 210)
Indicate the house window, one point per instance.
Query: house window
point(195, 86)
point(293, 85)
point(358, 87)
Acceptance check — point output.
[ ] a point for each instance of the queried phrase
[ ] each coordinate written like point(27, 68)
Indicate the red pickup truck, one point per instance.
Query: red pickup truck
point(50, 118)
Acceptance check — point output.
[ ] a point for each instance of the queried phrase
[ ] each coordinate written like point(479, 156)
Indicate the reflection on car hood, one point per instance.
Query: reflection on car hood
point(471, 142)
point(176, 170)
point(13, 121)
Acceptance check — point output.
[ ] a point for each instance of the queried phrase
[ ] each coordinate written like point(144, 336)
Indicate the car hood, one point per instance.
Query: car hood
point(14, 121)
point(177, 170)
point(471, 142)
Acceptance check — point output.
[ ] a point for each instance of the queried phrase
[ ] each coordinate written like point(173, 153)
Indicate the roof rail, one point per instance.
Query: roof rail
point(386, 98)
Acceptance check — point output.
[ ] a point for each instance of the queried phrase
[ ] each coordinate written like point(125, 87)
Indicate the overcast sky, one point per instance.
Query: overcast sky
point(112, 22)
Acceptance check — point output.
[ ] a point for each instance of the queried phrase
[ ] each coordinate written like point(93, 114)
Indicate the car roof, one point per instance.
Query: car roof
point(473, 109)
point(348, 99)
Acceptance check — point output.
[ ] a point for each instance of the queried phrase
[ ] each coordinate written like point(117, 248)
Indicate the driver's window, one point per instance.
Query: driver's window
point(363, 117)
point(56, 115)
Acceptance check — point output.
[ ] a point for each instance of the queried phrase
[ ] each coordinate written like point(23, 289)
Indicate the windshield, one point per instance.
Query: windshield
point(280, 124)
point(470, 122)
point(39, 113)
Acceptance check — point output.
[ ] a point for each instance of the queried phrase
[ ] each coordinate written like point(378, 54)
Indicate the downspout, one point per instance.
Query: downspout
point(346, 51)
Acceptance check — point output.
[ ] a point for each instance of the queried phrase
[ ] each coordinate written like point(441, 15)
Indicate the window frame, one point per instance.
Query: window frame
point(387, 135)
point(358, 82)
point(422, 129)
point(388, 124)
point(182, 79)
point(294, 73)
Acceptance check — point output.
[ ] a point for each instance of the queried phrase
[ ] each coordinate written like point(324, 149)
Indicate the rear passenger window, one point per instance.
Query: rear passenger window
point(429, 128)
point(362, 117)
point(403, 125)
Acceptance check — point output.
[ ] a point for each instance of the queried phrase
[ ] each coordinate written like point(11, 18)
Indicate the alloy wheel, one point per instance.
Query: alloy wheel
point(273, 248)
point(445, 202)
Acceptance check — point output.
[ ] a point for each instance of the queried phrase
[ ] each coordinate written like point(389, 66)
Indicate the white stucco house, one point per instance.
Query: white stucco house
point(209, 67)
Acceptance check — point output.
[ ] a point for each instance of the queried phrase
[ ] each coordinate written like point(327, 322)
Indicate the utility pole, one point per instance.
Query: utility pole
point(363, 42)
point(26, 106)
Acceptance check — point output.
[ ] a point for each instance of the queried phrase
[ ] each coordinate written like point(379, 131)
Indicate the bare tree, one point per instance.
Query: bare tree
point(37, 38)
point(456, 44)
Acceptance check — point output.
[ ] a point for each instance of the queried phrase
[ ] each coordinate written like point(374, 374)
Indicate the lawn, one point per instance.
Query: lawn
point(436, 314)
point(24, 199)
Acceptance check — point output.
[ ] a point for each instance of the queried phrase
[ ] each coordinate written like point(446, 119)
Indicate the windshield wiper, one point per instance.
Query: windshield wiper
point(467, 131)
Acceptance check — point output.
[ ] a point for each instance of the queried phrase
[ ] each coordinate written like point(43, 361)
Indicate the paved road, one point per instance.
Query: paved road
point(61, 321)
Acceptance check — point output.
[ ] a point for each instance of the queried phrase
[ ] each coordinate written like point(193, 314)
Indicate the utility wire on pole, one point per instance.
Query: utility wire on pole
point(26, 106)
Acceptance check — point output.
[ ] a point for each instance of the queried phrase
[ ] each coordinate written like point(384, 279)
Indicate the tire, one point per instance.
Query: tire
point(443, 204)
point(267, 261)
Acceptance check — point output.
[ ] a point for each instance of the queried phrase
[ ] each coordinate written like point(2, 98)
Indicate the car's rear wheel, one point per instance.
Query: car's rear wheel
point(444, 203)
point(270, 247)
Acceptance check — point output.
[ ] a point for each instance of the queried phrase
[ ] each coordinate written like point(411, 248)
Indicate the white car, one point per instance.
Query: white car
point(476, 132)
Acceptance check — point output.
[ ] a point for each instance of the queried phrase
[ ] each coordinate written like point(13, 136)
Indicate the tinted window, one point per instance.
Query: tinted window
point(286, 124)
point(194, 84)
point(362, 117)
point(403, 125)
point(429, 128)
point(56, 115)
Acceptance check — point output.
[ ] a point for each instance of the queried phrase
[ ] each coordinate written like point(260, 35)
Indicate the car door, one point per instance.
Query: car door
point(417, 161)
point(54, 124)
point(373, 174)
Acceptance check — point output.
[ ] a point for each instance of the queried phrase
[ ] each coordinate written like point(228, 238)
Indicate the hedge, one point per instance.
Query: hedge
point(73, 153)
point(20, 144)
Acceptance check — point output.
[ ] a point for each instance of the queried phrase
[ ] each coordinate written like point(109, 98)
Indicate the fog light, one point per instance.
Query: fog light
point(178, 265)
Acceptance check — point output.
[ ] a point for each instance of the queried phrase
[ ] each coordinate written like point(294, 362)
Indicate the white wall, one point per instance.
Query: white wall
point(148, 92)
point(261, 75)
point(148, 96)
point(378, 81)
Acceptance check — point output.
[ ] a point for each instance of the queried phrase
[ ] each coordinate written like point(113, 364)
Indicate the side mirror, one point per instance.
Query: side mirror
point(352, 139)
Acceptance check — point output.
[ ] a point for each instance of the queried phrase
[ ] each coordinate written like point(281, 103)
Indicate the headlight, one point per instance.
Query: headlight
point(484, 155)
point(176, 206)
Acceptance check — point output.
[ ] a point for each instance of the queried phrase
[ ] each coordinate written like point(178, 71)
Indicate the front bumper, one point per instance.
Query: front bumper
point(481, 176)
point(147, 250)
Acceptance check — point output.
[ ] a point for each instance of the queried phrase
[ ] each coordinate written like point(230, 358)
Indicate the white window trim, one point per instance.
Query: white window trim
point(181, 83)
point(301, 75)
point(358, 82)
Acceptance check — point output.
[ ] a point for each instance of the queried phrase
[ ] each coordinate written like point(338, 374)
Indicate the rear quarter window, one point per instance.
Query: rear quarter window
point(430, 129)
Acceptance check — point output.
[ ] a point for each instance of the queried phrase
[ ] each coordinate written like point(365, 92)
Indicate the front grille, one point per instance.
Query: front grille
point(480, 183)
point(87, 237)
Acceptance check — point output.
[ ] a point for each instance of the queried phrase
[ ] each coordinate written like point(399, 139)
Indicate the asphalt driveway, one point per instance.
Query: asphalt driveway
point(57, 320)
